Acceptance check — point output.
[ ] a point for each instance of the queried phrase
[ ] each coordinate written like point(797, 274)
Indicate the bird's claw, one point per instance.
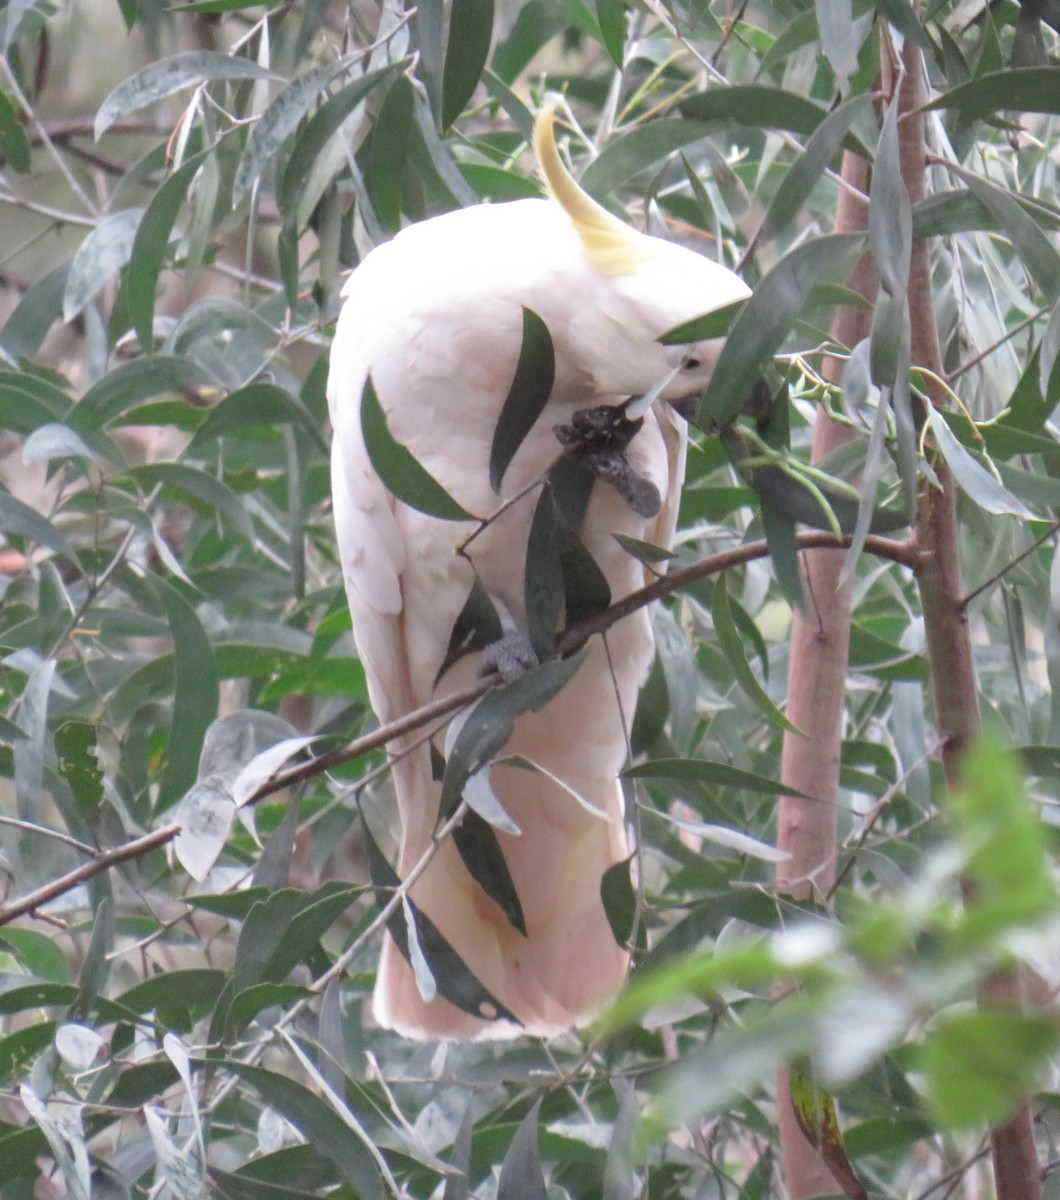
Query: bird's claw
point(511, 655)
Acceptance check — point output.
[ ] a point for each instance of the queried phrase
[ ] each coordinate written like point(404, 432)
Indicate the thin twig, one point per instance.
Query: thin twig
point(102, 862)
point(1001, 341)
point(1053, 528)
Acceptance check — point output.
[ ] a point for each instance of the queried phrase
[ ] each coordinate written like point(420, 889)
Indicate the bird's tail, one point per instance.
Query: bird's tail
point(567, 965)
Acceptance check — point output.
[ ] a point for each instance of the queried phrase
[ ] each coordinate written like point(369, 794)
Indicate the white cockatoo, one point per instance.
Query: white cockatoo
point(435, 318)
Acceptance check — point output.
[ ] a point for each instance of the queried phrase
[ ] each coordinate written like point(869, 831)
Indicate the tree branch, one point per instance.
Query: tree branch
point(904, 553)
point(101, 862)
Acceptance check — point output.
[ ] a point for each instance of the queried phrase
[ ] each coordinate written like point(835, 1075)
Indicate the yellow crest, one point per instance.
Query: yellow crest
point(612, 247)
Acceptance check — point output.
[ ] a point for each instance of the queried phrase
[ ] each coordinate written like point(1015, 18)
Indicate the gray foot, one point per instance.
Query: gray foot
point(511, 655)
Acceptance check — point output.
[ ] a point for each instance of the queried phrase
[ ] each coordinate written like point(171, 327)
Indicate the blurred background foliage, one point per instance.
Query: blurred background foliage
point(182, 188)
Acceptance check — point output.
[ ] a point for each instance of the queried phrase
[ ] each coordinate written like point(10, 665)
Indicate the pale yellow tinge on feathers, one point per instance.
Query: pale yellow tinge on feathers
point(612, 247)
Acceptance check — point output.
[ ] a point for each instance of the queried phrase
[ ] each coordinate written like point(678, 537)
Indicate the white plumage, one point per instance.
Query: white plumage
point(435, 317)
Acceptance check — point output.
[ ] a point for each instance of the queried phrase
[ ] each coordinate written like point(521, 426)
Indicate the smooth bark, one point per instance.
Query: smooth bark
point(817, 678)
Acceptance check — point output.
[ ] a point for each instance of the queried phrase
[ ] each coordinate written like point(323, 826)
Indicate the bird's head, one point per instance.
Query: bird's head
point(650, 287)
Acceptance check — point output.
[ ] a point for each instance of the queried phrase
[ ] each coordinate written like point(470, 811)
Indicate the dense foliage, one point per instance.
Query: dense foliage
point(181, 192)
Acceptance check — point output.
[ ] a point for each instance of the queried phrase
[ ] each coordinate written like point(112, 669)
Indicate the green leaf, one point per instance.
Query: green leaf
point(619, 899)
point(644, 146)
point(764, 323)
point(816, 1115)
point(527, 396)
point(701, 329)
point(25, 522)
point(169, 75)
point(480, 851)
point(890, 216)
point(732, 647)
point(1027, 89)
point(1034, 248)
point(491, 720)
point(131, 384)
point(319, 1122)
point(1005, 850)
point(279, 121)
point(467, 47)
point(326, 128)
point(212, 494)
point(522, 1177)
point(477, 626)
point(99, 258)
point(543, 577)
point(40, 954)
point(755, 105)
point(388, 154)
point(399, 471)
point(715, 773)
point(149, 247)
point(14, 145)
point(457, 1185)
point(821, 148)
point(256, 406)
point(193, 987)
point(95, 967)
point(979, 1065)
point(76, 751)
point(38, 309)
point(195, 695)
point(611, 17)
point(975, 480)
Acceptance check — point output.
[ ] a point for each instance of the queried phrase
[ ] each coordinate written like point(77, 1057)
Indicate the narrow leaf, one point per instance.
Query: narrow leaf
point(195, 695)
point(543, 578)
point(732, 647)
point(279, 121)
point(467, 47)
point(99, 258)
point(975, 480)
point(1026, 89)
point(890, 215)
point(522, 1177)
point(149, 248)
point(169, 75)
point(719, 774)
point(22, 521)
point(399, 470)
point(619, 899)
point(455, 980)
point(822, 147)
point(764, 323)
point(481, 853)
point(490, 722)
point(527, 396)
point(815, 1112)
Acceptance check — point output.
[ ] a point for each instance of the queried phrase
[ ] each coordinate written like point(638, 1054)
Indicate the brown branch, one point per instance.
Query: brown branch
point(817, 689)
point(1017, 1172)
point(99, 863)
point(904, 553)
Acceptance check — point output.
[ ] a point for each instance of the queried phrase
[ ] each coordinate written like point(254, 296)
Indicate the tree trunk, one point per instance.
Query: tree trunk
point(817, 671)
point(1017, 1174)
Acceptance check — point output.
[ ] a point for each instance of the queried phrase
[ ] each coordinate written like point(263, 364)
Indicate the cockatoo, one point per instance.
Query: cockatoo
point(435, 319)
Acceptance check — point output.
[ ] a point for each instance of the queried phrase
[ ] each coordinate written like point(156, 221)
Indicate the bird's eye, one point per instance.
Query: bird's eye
point(690, 364)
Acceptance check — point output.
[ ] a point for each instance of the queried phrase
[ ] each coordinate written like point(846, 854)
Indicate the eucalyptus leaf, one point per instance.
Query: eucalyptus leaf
point(979, 484)
point(168, 75)
point(399, 471)
point(527, 396)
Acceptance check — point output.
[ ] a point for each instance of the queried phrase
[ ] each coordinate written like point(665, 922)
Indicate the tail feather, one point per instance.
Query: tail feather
point(568, 964)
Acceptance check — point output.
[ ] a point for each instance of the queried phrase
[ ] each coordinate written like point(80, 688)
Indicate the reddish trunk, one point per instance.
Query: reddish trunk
point(817, 670)
point(1017, 1174)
